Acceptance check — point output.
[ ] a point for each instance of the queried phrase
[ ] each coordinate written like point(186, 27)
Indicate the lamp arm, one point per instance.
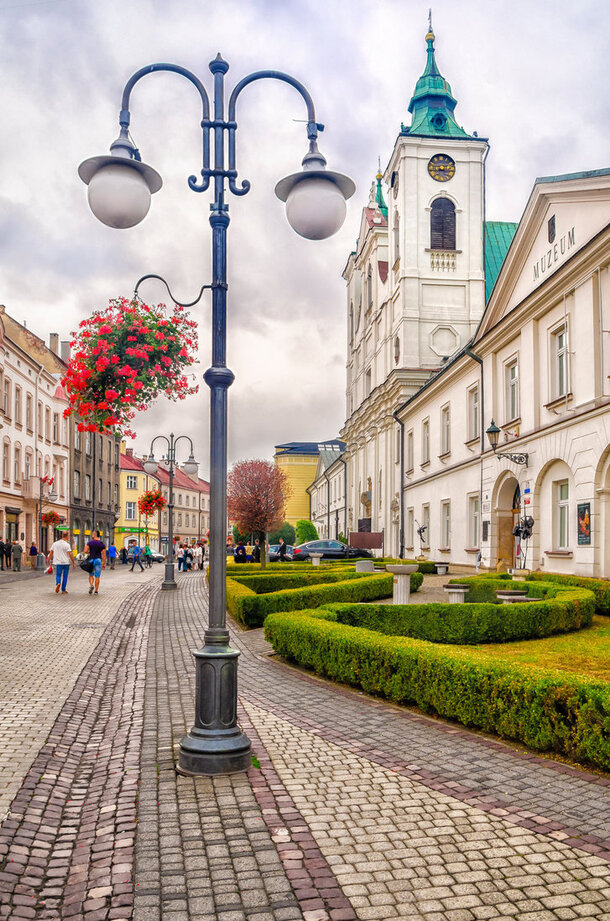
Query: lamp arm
point(188, 438)
point(312, 126)
point(124, 115)
point(179, 303)
point(156, 438)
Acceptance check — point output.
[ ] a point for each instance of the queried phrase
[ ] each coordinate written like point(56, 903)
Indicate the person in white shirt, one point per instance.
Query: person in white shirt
point(60, 556)
point(197, 557)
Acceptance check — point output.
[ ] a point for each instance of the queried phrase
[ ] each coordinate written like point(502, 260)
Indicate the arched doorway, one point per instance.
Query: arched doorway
point(507, 511)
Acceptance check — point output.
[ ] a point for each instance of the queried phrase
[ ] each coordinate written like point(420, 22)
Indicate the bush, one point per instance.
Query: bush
point(278, 581)
point(427, 567)
point(484, 621)
point(599, 587)
point(286, 531)
point(251, 609)
point(305, 530)
point(562, 713)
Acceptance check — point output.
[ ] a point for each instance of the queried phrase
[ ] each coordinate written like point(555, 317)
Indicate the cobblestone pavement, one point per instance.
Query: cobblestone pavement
point(66, 847)
point(46, 641)
point(354, 808)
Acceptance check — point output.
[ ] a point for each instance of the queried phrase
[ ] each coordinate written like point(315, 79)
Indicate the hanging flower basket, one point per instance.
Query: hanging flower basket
point(123, 358)
point(50, 518)
point(150, 502)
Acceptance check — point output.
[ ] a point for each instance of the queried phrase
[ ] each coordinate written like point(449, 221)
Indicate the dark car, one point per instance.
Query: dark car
point(274, 552)
point(330, 550)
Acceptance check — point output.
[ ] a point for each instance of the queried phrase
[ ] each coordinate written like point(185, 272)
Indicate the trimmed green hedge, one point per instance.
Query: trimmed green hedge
point(547, 712)
point(251, 609)
point(560, 610)
point(599, 587)
point(277, 581)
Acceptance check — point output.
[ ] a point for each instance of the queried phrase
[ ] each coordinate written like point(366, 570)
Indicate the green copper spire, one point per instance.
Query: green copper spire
point(379, 196)
point(432, 104)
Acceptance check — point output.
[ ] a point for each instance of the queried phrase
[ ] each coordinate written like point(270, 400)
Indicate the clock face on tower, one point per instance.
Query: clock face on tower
point(441, 167)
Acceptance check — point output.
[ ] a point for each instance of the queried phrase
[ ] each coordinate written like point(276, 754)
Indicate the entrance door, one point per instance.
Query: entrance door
point(12, 523)
point(507, 515)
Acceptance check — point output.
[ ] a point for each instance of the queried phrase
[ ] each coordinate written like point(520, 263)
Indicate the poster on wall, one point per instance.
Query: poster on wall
point(584, 523)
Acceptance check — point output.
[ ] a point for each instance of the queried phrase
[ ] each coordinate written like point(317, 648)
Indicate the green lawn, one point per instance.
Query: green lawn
point(585, 653)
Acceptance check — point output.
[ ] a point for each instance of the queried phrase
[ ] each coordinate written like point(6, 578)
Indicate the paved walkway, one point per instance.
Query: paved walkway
point(358, 809)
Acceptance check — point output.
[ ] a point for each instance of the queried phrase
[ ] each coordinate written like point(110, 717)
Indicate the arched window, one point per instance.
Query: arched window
point(442, 224)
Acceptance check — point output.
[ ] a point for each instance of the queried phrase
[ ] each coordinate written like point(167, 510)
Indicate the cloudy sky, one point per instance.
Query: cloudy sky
point(527, 74)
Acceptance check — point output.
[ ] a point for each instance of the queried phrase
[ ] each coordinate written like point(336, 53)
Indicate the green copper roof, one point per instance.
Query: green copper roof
point(379, 197)
point(498, 237)
point(432, 104)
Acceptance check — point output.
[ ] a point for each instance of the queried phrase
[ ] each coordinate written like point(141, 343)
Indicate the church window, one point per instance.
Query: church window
point(442, 224)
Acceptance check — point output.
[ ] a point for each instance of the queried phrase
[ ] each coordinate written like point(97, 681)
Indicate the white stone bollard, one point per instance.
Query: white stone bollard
point(456, 593)
point(315, 558)
point(402, 582)
point(365, 566)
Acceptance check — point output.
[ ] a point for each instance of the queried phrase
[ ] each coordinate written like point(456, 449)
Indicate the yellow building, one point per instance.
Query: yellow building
point(131, 527)
point(299, 461)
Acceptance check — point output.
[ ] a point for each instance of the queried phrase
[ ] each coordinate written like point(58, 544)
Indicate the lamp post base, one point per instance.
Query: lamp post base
point(215, 744)
point(169, 583)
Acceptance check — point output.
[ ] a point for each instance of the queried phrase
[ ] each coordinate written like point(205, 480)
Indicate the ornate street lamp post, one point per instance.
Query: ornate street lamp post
point(493, 434)
point(190, 467)
point(120, 189)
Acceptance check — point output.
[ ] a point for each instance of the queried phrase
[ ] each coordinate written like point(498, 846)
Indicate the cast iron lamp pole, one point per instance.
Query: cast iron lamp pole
point(52, 496)
point(120, 188)
point(151, 466)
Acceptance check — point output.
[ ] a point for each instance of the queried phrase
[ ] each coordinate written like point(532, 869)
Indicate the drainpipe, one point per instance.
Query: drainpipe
point(327, 504)
point(344, 462)
point(401, 527)
point(480, 363)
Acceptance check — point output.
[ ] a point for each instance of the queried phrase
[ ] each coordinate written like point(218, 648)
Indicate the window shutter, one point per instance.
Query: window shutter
point(442, 224)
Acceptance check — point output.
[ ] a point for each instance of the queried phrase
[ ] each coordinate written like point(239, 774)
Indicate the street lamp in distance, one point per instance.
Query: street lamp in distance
point(191, 468)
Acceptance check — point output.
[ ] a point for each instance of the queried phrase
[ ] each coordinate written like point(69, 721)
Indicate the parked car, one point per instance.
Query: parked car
point(330, 550)
point(274, 550)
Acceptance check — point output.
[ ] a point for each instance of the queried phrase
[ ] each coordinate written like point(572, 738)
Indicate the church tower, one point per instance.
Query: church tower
point(415, 290)
point(435, 225)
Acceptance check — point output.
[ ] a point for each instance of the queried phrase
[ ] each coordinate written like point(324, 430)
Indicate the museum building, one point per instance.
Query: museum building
point(463, 333)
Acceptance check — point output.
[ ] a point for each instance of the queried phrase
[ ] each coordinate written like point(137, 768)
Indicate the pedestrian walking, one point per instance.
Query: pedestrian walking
point(137, 554)
point(16, 553)
point(180, 556)
point(60, 556)
point(33, 553)
point(8, 556)
point(188, 559)
point(112, 555)
point(123, 556)
point(282, 550)
point(96, 551)
point(256, 551)
point(197, 557)
point(1, 555)
point(148, 556)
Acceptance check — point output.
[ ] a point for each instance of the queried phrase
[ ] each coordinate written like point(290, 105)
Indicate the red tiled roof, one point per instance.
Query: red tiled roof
point(375, 218)
point(181, 479)
point(129, 462)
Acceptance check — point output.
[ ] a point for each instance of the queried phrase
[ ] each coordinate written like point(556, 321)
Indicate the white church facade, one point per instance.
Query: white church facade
point(457, 325)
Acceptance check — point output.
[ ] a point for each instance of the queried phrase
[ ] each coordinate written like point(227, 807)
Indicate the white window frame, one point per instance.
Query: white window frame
point(87, 487)
point(410, 527)
point(425, 441)
point(130, 511)
point(409, 452)
point(511, 389)
point(132, 481)
point(425, 520)
point(560, 362)
point(445, 523)
point(561, 495)
point(446, 429)
point(77, 484)
point(474, 521)
point(474, 413)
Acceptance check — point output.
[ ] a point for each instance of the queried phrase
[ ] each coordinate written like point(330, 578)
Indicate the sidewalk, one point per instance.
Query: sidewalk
point(359, 809)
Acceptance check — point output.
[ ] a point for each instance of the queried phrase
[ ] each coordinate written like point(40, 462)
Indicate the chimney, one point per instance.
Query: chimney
point(65, 351)
point(54, 343)
point(129, 452)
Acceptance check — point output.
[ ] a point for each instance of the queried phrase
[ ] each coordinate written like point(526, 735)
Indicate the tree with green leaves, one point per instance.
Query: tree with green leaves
point(305, 530)
point(286, 531)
